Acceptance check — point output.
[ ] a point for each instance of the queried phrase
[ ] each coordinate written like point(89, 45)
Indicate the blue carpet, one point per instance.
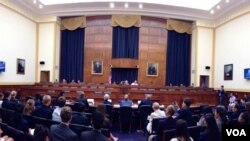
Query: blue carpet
point(133, 136)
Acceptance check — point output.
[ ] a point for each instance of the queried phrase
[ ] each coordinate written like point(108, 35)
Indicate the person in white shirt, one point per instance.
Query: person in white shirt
point(232, 100)
point(156, 114)
point(56, 115)
point(134, 83)
point(1, 100)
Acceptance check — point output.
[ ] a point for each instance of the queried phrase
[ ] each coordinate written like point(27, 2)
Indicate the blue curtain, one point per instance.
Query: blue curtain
point(178, 59)
point(122, 74)
point(125, 42)
point(72, 55)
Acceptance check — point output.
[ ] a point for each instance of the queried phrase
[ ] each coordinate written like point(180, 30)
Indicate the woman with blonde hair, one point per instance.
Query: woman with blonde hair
point(29, 107)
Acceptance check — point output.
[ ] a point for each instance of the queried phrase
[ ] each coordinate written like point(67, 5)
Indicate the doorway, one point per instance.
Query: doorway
point(44, 76)
point(204, 81)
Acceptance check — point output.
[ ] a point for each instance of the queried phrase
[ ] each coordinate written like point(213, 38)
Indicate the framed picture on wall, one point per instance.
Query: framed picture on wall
point(152, 69)
point(97, 67)
point(228, 72)
point(20, 66)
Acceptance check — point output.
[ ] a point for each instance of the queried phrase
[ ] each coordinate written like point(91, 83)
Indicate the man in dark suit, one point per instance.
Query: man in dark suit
point(221, 94)
point(152, 69)
point(78, 117)
point(185, 113)
point(95, 135)
point(44, 110)
point(62, 132)
point(97, 67)
point(82, 99)
point(147, 101)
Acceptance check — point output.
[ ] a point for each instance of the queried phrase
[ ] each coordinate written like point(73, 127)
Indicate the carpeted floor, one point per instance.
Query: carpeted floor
point(133, 136)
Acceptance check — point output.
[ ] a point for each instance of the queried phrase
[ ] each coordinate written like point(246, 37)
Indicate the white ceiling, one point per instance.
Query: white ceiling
point(149, 9)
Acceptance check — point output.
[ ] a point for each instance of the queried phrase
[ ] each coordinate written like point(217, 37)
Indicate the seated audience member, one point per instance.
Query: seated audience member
point(106, 100)
point(235, 114)
point(165, 124)
point(147, 101)
point(44, 110)
point(6, 101)
point(82, 99)
point(95, 135)
point(5, 138)
point(72, 82)
point(78, 116)
point(29, 107)
point(38, 99)
point(79, 82)
point(220, 116)
point(1, 99)
point(211, 131)
point(242, 104)
point(41, 133)
point(13, 98)
point(205, 110)
point(243, 118)
point(62, 132)
point(247, 97)
point(134, 83)
point(17, 121)
point(181, 133)
point(106, 123)
point(184, 112)
point(126, 101)
point(232, 100)
point(248, 111)
point(57, 111)
point(156, 114)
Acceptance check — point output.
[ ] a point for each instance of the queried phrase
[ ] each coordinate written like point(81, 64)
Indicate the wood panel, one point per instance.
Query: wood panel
point(98, 46)
point(152, 48)
point(124, 63)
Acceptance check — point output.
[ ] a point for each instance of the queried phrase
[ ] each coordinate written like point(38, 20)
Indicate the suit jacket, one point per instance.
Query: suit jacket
point(84, 101)
point(146, 102)
point(79, 118)
point(127, 103)
point(62, 132)
point(165, 124)
point(106, 102)
point(43, 111)
point(94, 135)
point(186, 115)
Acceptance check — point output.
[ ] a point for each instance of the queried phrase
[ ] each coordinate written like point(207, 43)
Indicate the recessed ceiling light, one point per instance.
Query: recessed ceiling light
point(40, 6)
point(111, 5)
point(34, 1)
point(218, 6)
point(212, 11)
point(126, 5)
point(227, 1)
point(140, 6)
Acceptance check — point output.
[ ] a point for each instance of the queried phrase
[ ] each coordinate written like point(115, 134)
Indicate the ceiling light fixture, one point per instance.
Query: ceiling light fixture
point(126, 5)
point(227, 1)
point(140, 6)
point(212, 11)
point(40, 6)
point(218, 6)
point(34, 1)
point(111, 5)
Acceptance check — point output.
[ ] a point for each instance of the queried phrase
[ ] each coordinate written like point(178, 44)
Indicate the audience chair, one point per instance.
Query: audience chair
point(6, 115)
point(168, 135)
point(43, 121)
point(125, 118)
point(78, 129)
point(17, 135)
point(155, 124)
point(194, 132)
point(144, 111)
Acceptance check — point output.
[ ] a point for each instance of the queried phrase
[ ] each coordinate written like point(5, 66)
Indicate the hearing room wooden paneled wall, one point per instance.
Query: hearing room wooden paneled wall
point(98, 46)
point(152, 48)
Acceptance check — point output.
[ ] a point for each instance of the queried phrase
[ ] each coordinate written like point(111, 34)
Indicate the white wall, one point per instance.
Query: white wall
point(204, 53)
point(17, 40)
point(232, 46)
point(46, 51)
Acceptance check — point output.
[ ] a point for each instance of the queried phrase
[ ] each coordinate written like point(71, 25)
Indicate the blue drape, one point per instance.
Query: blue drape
point(72, 55)
point(178, 59)
point(122, 74)
point(125, 42)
